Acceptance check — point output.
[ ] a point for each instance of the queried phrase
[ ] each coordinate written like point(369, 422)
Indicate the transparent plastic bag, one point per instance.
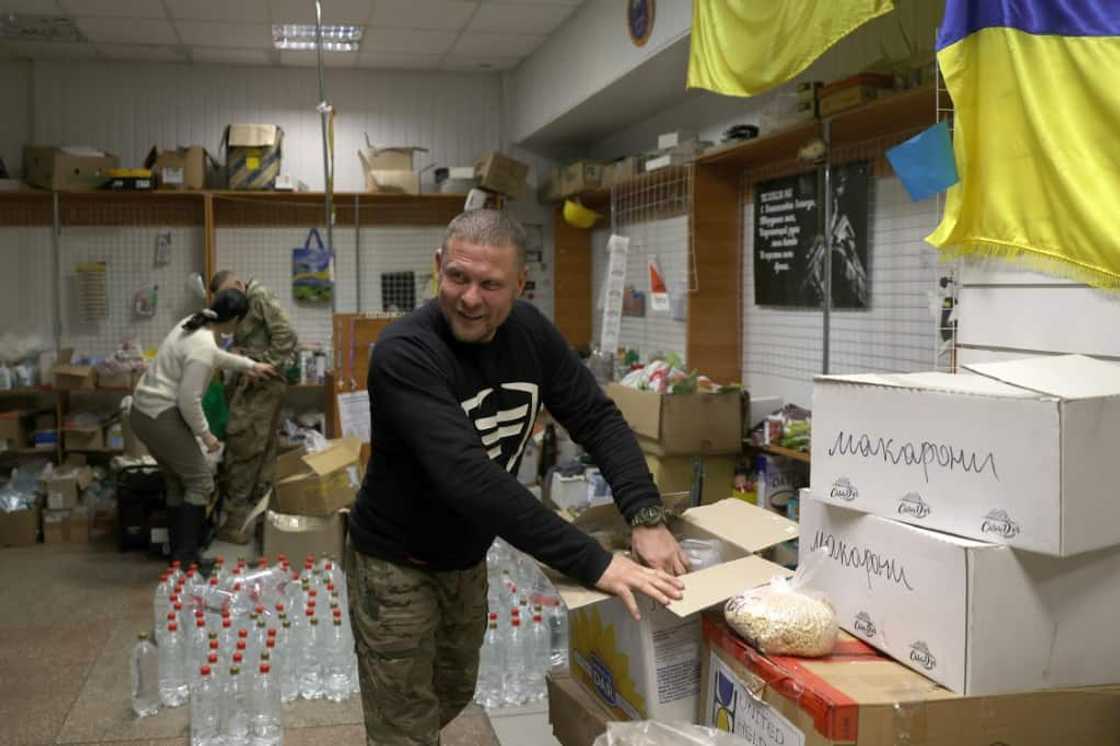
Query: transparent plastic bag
point(784, 618)
point(655, 733)
point(702, 553)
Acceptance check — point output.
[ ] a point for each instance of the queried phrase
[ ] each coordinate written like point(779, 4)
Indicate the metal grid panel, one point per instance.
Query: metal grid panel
point(27, 284)
point(396, 249)
point(266, 255)
point(667, 240)
point(129, 252)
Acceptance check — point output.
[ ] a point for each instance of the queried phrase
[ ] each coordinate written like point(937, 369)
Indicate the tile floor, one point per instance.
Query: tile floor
point(69, 615)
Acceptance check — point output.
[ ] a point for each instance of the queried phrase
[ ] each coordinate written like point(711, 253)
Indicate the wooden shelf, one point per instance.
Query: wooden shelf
point(890, 115)
point(772, 148)
point(32, 391)
point(48, 452)
point(774, 450)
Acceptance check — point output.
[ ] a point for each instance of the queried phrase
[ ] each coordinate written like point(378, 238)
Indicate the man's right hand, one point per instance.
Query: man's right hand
point(623, 576)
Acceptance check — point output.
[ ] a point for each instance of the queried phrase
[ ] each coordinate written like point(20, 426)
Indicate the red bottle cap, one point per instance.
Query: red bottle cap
point(173, 627)
point(272, 632)
point(328, 566)
point(200, 622)
point(242, 633)
point(494, 616)
point(212, 658)
point(265, 668)
point(205, 670)
point(240, 645)
point(280, 608)
point(226, 622)
point(271, 643)
point(260, 609)
point(515, 622)
point(237, 658)
point(536, 617)
point(214, 582)
point(213, 644)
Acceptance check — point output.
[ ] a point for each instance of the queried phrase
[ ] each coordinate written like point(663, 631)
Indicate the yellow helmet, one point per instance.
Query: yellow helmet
point(579, 216)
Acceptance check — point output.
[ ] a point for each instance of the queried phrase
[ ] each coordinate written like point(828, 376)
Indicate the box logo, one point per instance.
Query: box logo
point(864, 625)
point(998, 522)
point(843, 489)
point(602, 679)
point(913, 505)
point(919, 653)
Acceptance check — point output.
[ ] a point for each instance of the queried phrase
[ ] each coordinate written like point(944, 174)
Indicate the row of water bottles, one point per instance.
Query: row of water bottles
point(229, 647)
point(527, 631)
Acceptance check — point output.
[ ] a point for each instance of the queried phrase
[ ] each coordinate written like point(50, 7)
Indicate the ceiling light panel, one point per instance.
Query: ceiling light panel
point(305, 37)
point(27, 27)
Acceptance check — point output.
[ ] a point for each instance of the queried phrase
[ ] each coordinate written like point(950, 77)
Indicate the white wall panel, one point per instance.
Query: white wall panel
point(15, 112)
point(126, 108)
point(27, 286)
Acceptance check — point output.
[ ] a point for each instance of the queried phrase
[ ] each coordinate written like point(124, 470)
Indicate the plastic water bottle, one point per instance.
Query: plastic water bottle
point(350, 653)
point(514, 680)
point(538, 654)
point(289, 663)
point(265, 725)
point(310, 660)
point(235, 707)
point(337, 659)
point(198, 643)
point(492, 664)
point(159, 600)
point(205, 712)
point(145, 677)
point(172, 679)
point(558, 627)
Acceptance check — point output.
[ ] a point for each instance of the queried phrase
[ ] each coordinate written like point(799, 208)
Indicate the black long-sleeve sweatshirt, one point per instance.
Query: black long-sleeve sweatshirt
point(450, 422)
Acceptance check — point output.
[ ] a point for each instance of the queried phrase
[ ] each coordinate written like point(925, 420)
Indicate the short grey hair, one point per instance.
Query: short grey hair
point(487, 228)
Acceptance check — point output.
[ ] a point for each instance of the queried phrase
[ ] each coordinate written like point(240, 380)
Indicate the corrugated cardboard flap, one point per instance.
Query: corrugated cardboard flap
point(958, 383)
point(253, 135)
point(342, 453)
point(1064, 376)
point(742, 524)
point(297, 523)
point(714, 585)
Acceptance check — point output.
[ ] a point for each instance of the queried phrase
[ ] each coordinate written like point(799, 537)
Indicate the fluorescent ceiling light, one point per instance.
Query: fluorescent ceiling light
point(336, 38)
point(30, 27)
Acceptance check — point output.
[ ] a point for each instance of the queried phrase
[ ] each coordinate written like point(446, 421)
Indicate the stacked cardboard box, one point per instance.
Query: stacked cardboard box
point(967, 524)
point(390, 170)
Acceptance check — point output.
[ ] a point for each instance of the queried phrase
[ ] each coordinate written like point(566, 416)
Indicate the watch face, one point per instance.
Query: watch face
point(639, 20)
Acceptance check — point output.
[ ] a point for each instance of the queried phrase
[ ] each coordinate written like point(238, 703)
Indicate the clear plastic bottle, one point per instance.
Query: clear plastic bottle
point(172, 679)
point(266, 728)
point(160, 598)
point(145, 677)
point(289, 663)
point(350, 653)
point(539, 657)
point(227, 636)
point(235, 706)
point(337, 663)
point(492, 663)
point(558, 627)
point(174, 573)
point(311, 660)
point(198, 643)
point(514, 680)
point(206, 716)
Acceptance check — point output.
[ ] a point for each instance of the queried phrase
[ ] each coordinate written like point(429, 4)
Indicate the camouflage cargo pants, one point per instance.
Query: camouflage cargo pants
point(250, 457)
point(417, 635)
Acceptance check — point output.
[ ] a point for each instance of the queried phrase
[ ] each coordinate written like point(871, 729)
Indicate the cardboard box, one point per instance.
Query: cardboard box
point(69, 377)
point(19, 528)
point(13, 427)
point(675, 474)
point(580, 176)
point(64, 487)
point(651, 669)
point(56, 526)
point(977, 618)
point(80, 528)
point(673, 139)
point(325, 482)
point(854, 698)
point(118, 379)
point(846, 98)
point(396, 158)
point(1022, 453)
point(500, 173)
point(67, 169)
point(84, 439)
point(253, 155)
point(393, 182)
point(576, 717)
point(622, 170)
point(681, 424)
point(182, 168)
point(300, 535)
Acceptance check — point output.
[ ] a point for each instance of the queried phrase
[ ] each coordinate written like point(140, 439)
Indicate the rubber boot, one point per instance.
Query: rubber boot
point(191, 519)
point(173, 532)
point(236, 515)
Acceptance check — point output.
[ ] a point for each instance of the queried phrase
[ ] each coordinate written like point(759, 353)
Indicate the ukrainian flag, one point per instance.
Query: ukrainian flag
point(1036, 90)
point(744, 47)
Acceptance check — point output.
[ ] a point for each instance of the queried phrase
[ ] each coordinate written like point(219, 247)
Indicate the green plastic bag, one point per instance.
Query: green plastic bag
point(215, 408)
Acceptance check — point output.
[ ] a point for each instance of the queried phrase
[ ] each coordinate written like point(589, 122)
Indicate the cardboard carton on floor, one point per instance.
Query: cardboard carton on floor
point(81, 526)
point(852, 698)
point(19, 528)
point(56, 526)
point(681, 424)
point(64, 486)
point(321, 483)
point(977, 618)
point(300, 535)
point(1019, 453)
point(651, 669)
point(254, 153)
point(67, 168)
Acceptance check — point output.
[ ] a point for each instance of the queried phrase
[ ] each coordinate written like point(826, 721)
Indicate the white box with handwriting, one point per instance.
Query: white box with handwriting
point(976, 618)
point(1022, 453)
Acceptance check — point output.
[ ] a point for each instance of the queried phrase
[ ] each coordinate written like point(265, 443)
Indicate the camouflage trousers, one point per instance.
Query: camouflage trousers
point(250, 457)
point(417, 635)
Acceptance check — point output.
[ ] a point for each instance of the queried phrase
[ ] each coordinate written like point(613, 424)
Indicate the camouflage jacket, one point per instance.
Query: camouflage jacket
point(266, 333)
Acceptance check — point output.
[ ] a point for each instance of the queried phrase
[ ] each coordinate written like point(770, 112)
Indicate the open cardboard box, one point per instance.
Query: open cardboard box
point(1019, 453)
point(977, 618)
point(68, 376)
point(64, 486)
point(651, 669)
point(318, 483)
point(681, 424)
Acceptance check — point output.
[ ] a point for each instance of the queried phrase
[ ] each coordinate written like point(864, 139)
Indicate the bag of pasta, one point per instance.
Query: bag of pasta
point(783, 617)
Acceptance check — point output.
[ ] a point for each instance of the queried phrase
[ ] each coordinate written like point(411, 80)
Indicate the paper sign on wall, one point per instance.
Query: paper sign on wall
point(619, 247)
point(353, 415)
point(658, 290)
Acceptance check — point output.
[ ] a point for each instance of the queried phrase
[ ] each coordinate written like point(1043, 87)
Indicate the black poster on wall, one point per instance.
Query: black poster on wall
point(788, 253)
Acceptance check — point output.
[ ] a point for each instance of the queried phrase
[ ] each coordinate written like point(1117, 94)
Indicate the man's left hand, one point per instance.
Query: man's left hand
point(656, 546)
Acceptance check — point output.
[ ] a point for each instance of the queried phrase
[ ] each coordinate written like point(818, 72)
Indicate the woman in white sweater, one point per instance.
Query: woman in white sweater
point(167, 412)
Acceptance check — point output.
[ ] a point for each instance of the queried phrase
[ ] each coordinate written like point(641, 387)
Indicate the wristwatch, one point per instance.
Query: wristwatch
point(650, 516)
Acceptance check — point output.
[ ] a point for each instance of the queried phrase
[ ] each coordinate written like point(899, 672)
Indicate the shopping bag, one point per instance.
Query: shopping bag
point(312, 274)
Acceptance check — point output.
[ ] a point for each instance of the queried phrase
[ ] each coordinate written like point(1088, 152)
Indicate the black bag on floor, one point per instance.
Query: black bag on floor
point(141, 494)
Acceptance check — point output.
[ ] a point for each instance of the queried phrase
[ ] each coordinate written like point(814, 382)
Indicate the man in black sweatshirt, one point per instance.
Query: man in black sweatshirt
point(455, 388)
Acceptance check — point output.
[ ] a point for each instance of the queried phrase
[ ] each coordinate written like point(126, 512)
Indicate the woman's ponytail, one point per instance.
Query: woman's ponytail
point(227, 305)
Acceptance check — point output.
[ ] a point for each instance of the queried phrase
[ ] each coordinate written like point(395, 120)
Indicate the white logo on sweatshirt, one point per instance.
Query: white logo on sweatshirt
point(516, 422)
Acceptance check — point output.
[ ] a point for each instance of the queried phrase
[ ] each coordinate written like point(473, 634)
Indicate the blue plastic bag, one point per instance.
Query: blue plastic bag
point(925, 162)
point(312, 278)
